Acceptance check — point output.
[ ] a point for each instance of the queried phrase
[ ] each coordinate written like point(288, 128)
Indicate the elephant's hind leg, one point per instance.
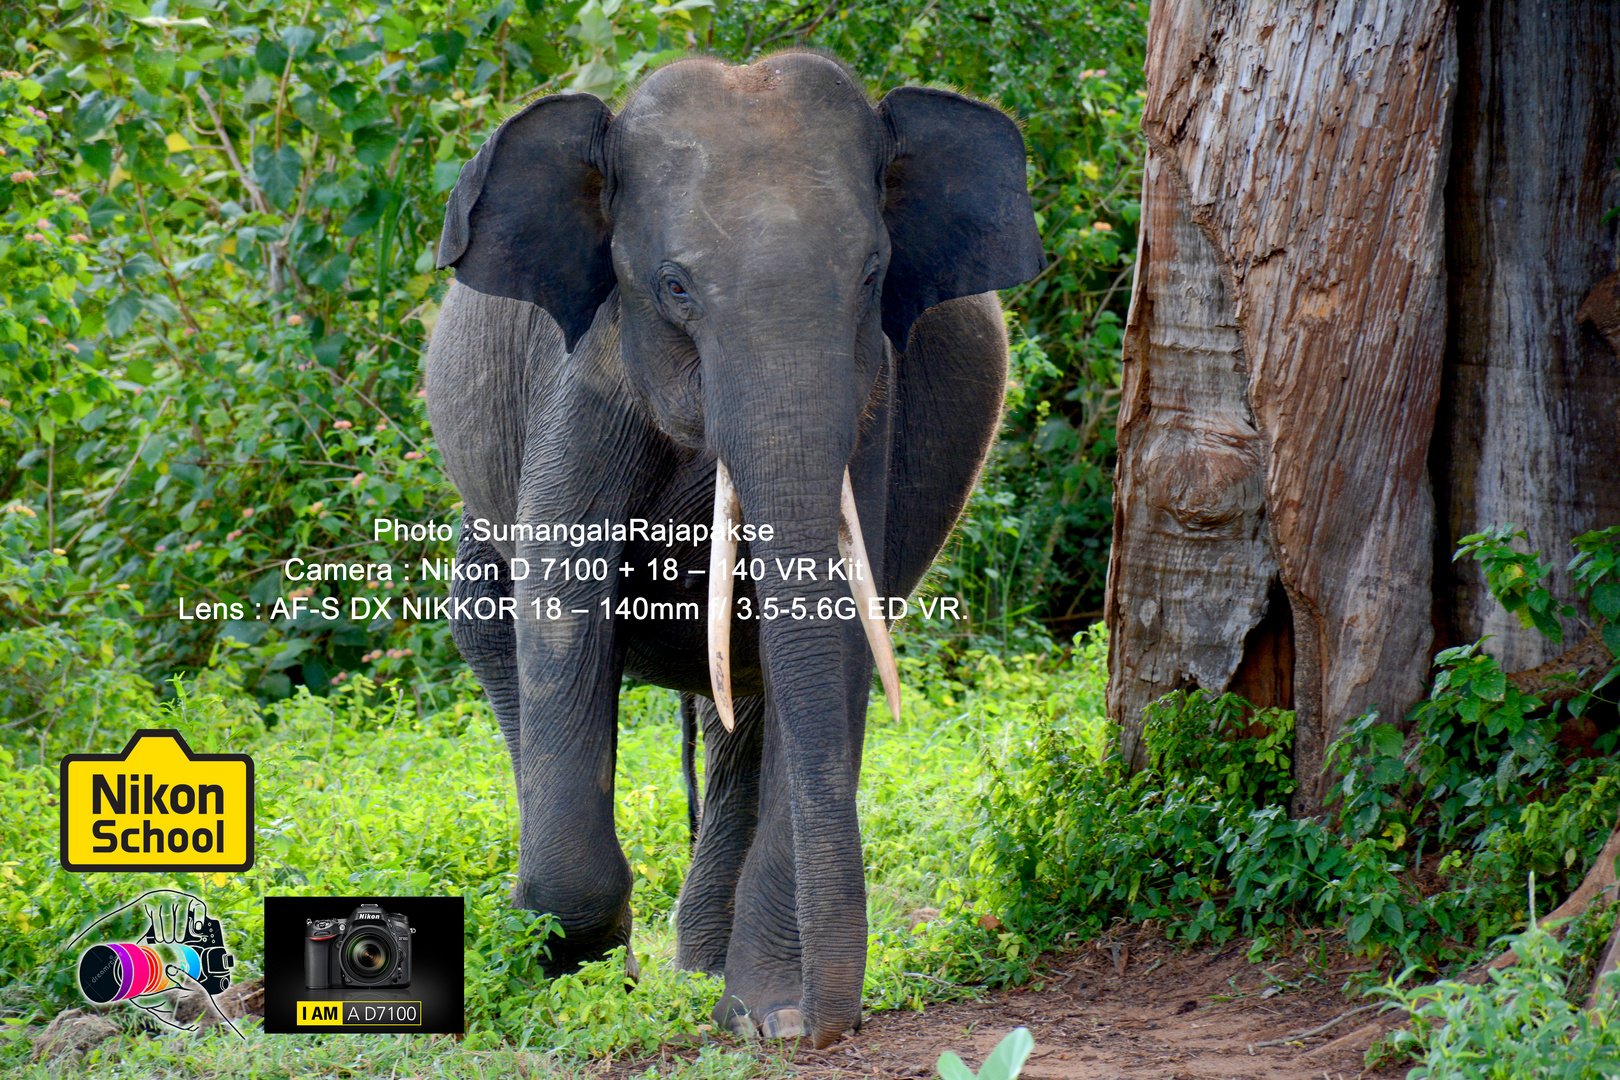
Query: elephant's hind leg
point(488, 645)
point(730, 814)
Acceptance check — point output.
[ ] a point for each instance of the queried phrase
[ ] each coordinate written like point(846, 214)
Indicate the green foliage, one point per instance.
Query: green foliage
point(596, 1012)
point(1596, 572)
point(1004, 1063)
point(1514, 578)
point(1479, 743)
point(1200, 837)
point(1520, 1023)
point(68, 662)
point(358, 795)
point(1194, 733)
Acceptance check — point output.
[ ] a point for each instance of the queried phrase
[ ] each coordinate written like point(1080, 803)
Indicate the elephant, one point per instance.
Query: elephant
point(759, 309)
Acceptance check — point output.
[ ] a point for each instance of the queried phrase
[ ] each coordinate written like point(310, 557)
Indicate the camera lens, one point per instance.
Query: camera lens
point(368, 955)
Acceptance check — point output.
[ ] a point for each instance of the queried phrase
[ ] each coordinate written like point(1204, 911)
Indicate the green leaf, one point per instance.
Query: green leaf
point(330, 274)
point(278, 172)
point(358, 52)
point(122, 312)
point(1008, 1057)
point(298, 40)
point(1490, 685)
point(95, 112)
point(445, 174)
point(596, 78)
point(153, 67)
point(270, 56)
point(1386, 739)
point(373, 144)
point(1606, 600)
point(449, 44)
point(1548, 624)
point(98, 155)
point(594, 29)
point(372, 207)
point(950, 1067)
point(307, 107)
point(1611, 637)
point(161, 308)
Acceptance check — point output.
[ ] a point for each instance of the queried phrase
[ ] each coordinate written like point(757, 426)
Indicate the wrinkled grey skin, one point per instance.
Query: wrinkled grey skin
point(774, 198)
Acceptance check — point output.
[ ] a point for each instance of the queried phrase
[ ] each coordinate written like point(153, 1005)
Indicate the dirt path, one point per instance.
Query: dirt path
point(1134, 1010)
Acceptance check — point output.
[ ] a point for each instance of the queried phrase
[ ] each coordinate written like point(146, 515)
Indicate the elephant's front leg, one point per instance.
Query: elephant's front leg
point(764, 962)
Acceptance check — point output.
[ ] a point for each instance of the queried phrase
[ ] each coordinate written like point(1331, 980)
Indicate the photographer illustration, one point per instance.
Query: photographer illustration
point(182, 948)
point(370, 948)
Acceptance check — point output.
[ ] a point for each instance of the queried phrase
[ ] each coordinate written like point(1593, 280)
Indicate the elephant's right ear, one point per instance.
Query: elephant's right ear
point(525, 220)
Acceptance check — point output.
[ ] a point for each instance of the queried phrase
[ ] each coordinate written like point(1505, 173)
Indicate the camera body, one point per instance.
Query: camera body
point(369, 949)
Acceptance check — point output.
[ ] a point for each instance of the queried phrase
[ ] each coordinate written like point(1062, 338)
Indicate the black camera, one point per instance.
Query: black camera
point(371, 948)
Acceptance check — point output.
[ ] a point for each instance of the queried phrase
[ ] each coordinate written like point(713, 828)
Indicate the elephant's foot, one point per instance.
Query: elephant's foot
point(786, 1022)
point(582, 944)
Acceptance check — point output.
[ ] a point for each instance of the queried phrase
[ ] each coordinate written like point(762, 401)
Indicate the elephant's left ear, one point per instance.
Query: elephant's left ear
point(525, 219)
point(955, 202)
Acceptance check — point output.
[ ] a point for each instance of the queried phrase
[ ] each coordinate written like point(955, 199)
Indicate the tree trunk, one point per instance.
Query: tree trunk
point(1530, 409)
point(1315, 172)
point(1308, 149)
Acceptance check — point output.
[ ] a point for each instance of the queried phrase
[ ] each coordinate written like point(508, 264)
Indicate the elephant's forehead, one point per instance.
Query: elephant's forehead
point(796, 115)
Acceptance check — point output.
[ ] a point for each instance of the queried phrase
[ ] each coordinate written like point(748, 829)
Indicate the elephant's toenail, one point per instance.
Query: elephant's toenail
point(783, 1024)
point(742, 1027)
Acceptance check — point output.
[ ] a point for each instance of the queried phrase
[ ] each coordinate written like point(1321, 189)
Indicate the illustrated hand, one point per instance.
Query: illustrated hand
point(159, 933)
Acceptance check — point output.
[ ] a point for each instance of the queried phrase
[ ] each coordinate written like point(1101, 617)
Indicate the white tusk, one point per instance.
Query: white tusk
point(853, 548)
point(722, 555)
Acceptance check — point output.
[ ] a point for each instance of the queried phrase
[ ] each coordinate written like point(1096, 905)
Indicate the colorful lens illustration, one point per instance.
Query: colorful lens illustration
point(116, 971)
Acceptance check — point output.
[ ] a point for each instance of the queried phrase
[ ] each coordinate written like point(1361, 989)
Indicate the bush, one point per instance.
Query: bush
point(1520, 1023)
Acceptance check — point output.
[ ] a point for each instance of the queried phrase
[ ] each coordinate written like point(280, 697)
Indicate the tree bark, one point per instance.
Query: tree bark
point(1530, 409)
point(1307, 147)
point(1189, 506)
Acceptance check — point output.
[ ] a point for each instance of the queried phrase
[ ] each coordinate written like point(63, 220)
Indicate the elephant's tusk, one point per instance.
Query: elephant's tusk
point(853, 548)
point(722, 554)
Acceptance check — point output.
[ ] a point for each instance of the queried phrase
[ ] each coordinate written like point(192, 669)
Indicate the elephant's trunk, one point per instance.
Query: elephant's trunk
point(784, 426)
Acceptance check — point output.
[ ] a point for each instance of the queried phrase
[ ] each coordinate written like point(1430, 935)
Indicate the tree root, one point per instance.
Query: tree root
point(1286, 1039)
point(1600, 879)
point(1610, 961)
point(1588, 659)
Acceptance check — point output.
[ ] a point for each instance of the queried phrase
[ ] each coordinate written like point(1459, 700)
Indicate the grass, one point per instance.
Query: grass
point(357, 795)
point(184, 1057)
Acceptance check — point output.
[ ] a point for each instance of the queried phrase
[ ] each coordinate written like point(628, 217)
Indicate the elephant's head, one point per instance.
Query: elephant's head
point(767, 229)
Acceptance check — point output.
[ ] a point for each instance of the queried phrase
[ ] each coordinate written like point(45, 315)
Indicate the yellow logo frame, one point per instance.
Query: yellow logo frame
point(123, 812)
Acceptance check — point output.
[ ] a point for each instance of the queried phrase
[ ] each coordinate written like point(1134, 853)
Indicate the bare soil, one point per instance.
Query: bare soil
point(1131, 1007)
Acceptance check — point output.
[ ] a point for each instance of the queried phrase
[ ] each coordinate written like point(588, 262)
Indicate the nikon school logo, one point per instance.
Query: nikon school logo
point(157, 806)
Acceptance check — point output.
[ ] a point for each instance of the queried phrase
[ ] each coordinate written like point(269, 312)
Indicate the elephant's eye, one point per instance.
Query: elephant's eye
point(871, 279)
point(680, 302)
